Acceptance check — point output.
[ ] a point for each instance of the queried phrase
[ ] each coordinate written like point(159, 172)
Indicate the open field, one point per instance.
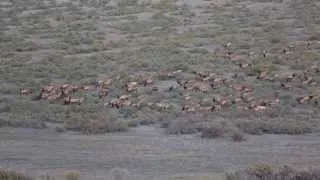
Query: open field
point(149, 153)
point(221, 69)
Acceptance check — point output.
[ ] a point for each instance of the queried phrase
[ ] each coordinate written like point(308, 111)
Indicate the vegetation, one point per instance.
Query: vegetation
point(265, 171)
point(46, 43)
point(257, 172)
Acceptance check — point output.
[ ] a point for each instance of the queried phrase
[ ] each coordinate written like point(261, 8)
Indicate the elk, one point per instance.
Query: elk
point(124, 98)
point(188, 108)
point(131, 86)
point(246, 97)
point(87, 87)
point(291, 77)
point(173, 73)
point(263, 75)
point(24, 92)
point(43, 94)
point(162, 106)
point(236, 100)
point(49, 88)
point(104, 84)
point(220, 101)
point(69, 100)
point(115, 103)
point(243, 66)
point(65, 86)
point(147, 81)
point(201, 74)
point(203, 87)
point(285, 86)
point(259, 108)
point(304, 99)
point(241, 88)
point(102, 93)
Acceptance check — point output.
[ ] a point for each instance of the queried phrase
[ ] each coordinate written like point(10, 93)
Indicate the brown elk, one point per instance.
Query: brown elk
point(43, 94)
point(259, 108)
point(236, 100)
point(69, 100)
point(124, 97)
point(115, 103)
point(285, 86)
point(188, 108)
point(24, 92)
point(173, 73)
point(162, 106)
point(87, 87)
point(304, 99)
point(104, 84)
point(263, 75)
point(102, 93)
point(48, 88)
point(242, 88)
point(243, 66)
point(131, 86)
point(291, 77)
point(199, 86)
point(246, 97)
point(147, 81)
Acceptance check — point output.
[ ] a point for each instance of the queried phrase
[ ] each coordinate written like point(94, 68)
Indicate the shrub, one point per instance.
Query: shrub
point(119, 174)
point(96, 123)
point(238, 136)
point(183, 124)
point(70, 175)
point(212, 132)
point(11, 175)
point(275, 126)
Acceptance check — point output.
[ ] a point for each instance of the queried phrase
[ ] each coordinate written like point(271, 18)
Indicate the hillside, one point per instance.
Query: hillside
point(218, 67)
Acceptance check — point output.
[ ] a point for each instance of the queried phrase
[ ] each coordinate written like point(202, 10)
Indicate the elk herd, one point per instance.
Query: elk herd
point(203, 82)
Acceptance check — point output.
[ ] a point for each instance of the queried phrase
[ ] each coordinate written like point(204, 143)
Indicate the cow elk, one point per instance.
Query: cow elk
point(115, 103)
point(69, 100)
point(24, 92)
point(162, 106)
point(102, 93)
point(131, 86)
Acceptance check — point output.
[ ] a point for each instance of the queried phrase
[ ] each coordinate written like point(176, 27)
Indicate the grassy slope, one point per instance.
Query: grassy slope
point(43, 42)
